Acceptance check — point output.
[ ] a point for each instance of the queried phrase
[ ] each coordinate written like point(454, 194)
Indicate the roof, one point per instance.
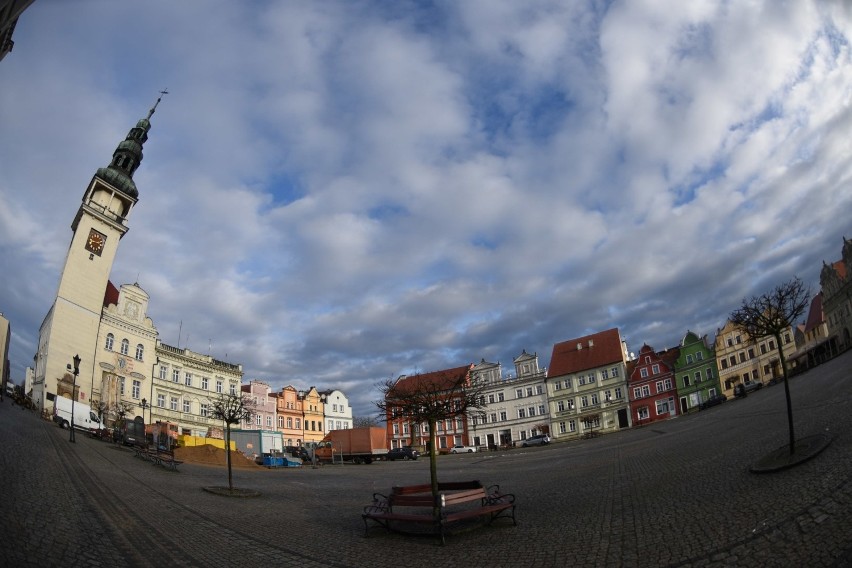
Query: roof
point(587, 352)
point(110, 294)
point(435, 381)
point(815, 314)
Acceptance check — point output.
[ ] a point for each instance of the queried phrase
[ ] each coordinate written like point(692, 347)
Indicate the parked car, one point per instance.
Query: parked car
point(403, 453)
point(298, 452)
point(713, 401)
point(750, 386)
point(540, 440)
point(460, 449)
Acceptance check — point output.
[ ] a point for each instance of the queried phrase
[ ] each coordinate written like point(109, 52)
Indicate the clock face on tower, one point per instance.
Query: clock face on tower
point(95, 242)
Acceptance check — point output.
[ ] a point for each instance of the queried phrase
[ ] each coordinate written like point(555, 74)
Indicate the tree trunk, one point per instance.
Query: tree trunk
point(433, 466)
point(228, 455)
point(786, 394)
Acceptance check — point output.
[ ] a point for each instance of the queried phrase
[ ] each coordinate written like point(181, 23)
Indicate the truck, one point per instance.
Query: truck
point(256, 444)
point(360, 445)
point(84, 418)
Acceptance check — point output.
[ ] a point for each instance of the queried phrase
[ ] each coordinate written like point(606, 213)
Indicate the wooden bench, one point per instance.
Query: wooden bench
point(157, 457)
point(452, 504)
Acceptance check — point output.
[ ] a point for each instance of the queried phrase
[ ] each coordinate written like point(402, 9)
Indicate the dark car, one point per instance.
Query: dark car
point(713, 401)
point(403, 453)
point(298, 452)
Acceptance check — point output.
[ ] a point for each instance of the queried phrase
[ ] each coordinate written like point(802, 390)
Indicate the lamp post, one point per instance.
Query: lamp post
point(144, 406)
point(74, 394)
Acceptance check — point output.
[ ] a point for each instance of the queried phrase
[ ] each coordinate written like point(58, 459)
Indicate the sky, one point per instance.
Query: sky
point(334, 194)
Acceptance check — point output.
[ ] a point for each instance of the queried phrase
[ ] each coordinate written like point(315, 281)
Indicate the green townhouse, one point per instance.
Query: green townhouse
point(696, 373)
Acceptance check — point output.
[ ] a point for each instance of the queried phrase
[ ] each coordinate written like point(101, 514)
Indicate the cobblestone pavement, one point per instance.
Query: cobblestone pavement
point(677, 493)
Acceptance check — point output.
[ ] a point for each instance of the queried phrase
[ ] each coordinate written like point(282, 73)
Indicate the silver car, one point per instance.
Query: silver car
point(540, 440)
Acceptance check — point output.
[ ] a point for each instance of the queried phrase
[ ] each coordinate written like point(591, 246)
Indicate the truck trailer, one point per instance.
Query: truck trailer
point(360, 445)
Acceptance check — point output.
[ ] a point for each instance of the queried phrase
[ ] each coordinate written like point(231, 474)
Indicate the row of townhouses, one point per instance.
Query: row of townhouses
point(594, 385)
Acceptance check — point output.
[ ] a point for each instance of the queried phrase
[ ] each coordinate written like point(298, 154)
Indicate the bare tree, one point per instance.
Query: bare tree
point(365, 422)
point(770, 315)
point(429, 398)
point(232, 409)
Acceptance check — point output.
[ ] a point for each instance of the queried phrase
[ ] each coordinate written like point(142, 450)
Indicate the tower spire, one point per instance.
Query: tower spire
point(128, 156)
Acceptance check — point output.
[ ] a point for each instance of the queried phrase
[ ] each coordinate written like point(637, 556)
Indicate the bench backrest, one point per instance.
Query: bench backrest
point(420, 500)
point(427, 488)
point(448, 499)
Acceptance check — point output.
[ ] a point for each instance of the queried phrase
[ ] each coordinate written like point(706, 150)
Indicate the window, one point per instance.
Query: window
point(493, 417)
point(708, 373)
point(581, 381)
point(110, 340)
point(607, 395)
point(499, 397)
point(724, 363)
point(121, 385)
point(289, 422)
point(542, 409)
point(614, 372)
point(219, 387)
point(618, 392)
point(233, 389)
point(637, 393)
point(699, 356)
point(503, 416)
point(659, 386)
point(257, 420)
point(188, 379)
point(562, 428)
point(205, 409)
point(667, 384)
point(163, 372)
point(269, 421)
point(742, 357)
point(595, 398)
point(531, 411)
point(763, 349)
point(205, 383)
point(686, 382)
point(405, 426)
point(173, 403)
point(491, 399)
point(560, 406)
point(161, 401)
point(175, 376)
point(592, 378)
point(557, 386)
point(539, 389)
point(125, 347)
point(772, 345)
point(662, 407)
point(655, 369)
point(522, 413)
point(642, 413)
point(751, 353)
point(646, 390)
point(519, 393)
point(140, 351)
point(298, 424)
point(137, 386)
point(529, 391)
point(689, 359)
point(643, 372)
point(187, 406)
point(584, 401)
point(572, 426)
point(604, 375)
point(739, 339)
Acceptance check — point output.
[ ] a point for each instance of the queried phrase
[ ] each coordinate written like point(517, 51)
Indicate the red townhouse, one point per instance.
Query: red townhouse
point(651, 385)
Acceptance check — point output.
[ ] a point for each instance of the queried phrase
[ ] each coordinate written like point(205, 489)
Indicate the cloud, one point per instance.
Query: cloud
point(333, 194)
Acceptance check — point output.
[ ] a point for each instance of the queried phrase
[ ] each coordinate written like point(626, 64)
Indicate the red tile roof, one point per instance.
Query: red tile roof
point(110, 294)
point(815, 314)
point(435, 381)
point(594, 351)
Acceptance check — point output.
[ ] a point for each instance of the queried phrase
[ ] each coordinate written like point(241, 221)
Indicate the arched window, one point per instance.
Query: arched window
point(140, 351)
point(125, 346)
point(110, 340)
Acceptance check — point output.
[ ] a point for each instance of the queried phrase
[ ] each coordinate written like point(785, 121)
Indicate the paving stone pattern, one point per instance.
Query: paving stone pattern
point(677, 493)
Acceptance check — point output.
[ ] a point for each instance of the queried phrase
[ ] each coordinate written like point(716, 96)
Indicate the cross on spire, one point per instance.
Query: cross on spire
point(162, 94)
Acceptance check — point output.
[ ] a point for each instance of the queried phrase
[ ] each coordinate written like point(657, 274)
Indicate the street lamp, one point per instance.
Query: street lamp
point(74, 394)
point(144, 406)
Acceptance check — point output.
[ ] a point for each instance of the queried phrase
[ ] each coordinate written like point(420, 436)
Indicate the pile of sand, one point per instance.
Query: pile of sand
point(211, 455)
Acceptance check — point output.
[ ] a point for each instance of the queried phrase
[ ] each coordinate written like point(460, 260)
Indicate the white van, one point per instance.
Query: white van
point(84, 418)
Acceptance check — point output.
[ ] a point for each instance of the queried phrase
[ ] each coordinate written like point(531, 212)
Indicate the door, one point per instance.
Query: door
point(622, 418)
